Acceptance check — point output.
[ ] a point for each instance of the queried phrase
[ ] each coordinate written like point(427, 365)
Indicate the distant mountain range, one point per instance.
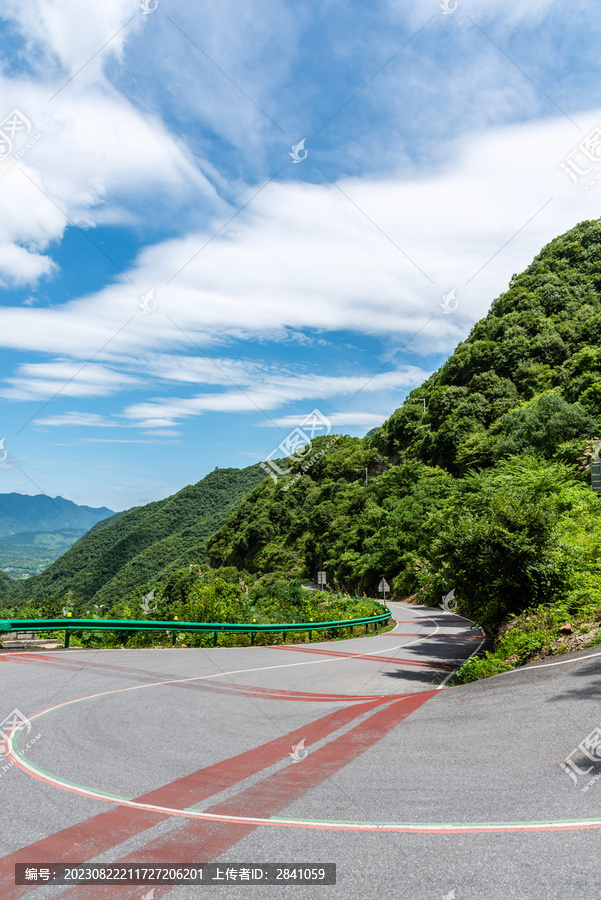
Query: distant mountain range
point(133, 551)
point(36, 530)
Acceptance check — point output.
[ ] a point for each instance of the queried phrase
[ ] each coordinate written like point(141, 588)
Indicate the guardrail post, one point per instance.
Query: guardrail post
point(173, 638)
point(214, 639)
point(252, 638)
point(67, 639)
point(367, 629)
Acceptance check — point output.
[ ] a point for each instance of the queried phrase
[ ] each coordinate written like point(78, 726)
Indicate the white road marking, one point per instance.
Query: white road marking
point(531, 668)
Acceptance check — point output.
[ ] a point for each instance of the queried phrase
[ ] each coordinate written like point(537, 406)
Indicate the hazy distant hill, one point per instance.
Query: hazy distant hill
point(138, 549)
point(36, 530)
point(22, 512)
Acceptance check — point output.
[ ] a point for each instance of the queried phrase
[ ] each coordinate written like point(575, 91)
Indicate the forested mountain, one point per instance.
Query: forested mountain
point(486, 490)
point(479, 490)
point(35, 530)
point(542, 335)
point(134, 551)
point(5, 584)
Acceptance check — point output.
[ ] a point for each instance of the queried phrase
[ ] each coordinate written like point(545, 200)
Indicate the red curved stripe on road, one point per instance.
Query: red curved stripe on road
point(323, 651)
point(208, 840)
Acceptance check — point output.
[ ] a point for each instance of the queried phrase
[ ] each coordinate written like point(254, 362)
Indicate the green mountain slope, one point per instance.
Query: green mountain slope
point(5, 584)
point(135, 551)
point(30, 552)
point(543, 334)
point(523, 390)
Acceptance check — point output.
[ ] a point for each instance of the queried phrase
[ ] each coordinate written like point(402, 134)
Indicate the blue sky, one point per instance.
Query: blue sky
point(151, 153)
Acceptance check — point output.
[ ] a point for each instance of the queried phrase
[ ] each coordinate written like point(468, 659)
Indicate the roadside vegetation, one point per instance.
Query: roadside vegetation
point(213, 596)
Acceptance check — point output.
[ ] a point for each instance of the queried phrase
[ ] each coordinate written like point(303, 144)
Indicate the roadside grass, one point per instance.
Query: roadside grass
point(548, 630)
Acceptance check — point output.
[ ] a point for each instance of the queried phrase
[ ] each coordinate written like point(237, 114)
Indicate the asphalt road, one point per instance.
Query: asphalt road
point(351, 752)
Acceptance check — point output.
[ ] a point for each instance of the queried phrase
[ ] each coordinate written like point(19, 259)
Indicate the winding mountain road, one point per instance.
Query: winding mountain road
point(351, 752)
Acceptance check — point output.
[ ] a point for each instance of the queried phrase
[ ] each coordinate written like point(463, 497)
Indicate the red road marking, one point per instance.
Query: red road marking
point(204, 841)
point(98, 834)
point(204, 683)
point(395, 634)
point(386, 659)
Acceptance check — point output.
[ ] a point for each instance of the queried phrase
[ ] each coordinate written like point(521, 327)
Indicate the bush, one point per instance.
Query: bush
point(513, 537)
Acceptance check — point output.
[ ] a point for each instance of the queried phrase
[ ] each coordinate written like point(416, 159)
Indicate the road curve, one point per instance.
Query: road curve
point(351, 752)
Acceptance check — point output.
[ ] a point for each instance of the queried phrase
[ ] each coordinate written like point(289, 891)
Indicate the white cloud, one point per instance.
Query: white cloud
point(69, 33)
point(272, 393)
point(96, 160)
point(337, 419)
point(125, 441)
point(20, 266)
point(370, 255)
point(306, 256)
point(78, 419)
point(45, 380)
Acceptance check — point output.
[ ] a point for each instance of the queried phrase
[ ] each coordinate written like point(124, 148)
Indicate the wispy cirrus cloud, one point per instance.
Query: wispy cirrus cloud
point(78, 419)
point(337, 420)
point(271, 394)
point(35, 381)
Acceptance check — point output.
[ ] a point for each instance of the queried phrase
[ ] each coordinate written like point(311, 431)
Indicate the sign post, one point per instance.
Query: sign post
point(383, 587)
point(596, 470)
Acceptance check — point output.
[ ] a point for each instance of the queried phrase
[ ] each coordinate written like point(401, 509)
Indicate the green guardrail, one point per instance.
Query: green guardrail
point(124, 628)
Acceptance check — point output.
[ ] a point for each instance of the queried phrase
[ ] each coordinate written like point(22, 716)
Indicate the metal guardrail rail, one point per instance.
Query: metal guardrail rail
point(124, 628)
